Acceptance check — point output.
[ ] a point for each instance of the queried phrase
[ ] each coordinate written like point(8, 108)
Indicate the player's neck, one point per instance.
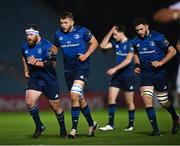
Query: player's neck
point(124, 39)
point(39, 39)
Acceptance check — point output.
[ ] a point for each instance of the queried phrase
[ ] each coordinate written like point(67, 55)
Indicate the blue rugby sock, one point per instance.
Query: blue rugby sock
point(60, 118)
point(34, 111)
point(111, 109)
point(87, 114)
point(152, 118)
point(75, 111)
point(172, 111)
point(131, 114)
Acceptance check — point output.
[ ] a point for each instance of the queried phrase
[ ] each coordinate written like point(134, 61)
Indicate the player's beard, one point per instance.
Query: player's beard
point(32, 42)
point(66, 30)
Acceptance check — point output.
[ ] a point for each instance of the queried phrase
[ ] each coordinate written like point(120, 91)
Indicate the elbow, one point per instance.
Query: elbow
point(174, 52)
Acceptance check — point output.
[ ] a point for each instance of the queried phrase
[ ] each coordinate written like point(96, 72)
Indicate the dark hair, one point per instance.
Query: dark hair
point(33, 26)
point(120, 28)
point(66, 14)
point(139, 21)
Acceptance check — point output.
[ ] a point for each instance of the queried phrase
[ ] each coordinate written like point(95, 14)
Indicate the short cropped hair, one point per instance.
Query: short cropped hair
point(33, 26)
point(120, 28)
point(139, 21)
point(67, 14)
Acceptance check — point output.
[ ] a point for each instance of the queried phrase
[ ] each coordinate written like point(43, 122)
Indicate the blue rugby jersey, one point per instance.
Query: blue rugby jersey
point(72, 44)
point(122, 49)
point(151, 48)
point(41, 52)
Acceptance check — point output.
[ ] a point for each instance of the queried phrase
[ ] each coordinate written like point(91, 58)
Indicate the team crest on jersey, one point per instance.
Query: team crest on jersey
point(60, 38)
point(152, 43)
point(124, 47)
point(76, 36)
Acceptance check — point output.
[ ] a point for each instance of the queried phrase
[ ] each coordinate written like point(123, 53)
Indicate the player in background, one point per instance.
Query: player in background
point(122, 74)
point(152, 52)
point(39, 63)
point(77, 44)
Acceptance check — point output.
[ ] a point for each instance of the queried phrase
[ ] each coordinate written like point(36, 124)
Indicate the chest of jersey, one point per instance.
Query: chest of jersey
point(39, 52)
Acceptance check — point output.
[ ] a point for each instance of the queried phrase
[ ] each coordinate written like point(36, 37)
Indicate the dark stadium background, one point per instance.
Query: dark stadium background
point(99, 16)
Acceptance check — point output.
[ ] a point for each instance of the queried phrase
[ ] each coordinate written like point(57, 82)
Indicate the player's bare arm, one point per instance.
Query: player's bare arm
point(92, 46)
point(105, 44)
point(123, 64)
point(166, 15)
point(26, 70)
point(170, 54)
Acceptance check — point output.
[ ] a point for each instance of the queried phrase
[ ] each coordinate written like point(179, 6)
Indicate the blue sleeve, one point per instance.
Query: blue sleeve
point(47, 46)
point(87, 34)
point(163, 43)
point(56, 41)
point(113, 42)
point(130, 48)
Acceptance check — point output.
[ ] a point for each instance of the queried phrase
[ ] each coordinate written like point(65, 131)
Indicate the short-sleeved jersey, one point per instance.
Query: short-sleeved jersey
point(72, 45)
point(122, 49)
point(151, 48)
point(41, 52)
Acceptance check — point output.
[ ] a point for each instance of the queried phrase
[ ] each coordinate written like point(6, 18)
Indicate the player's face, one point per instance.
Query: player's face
point(66, 24)
point(142, 30)
point(32, 39)
point(118, 36)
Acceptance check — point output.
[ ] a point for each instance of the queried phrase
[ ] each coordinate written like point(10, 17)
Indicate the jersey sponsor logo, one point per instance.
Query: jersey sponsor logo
point(76, 36)
point(147, 52)
point(120, 53)
point(117, 46)
point(70, 45)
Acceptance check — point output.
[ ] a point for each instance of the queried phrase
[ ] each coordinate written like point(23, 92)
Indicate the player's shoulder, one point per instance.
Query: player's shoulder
point(46, 43)
point(135, 40)
point(156, 34)
point(58, 31)
point(80, 28)
point(24, 45)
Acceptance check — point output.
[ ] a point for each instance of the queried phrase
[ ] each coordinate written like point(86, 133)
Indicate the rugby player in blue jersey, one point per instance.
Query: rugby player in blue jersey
point(77, 44)
point(122, 74)
point(152, 52)
point(39, 63)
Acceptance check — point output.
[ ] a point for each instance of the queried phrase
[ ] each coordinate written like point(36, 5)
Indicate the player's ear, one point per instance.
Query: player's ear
point(72, 22)
point(147, 26)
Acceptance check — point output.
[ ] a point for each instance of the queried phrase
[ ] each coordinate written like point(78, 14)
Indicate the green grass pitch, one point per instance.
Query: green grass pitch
point(17, 129)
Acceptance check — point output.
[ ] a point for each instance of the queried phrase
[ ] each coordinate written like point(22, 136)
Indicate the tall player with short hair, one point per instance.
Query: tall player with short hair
point(77, 44)
point(152, 52)
point(39, 67)
point(122, 74)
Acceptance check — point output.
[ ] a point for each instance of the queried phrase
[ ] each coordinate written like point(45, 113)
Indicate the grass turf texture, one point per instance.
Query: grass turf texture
point(17, 129)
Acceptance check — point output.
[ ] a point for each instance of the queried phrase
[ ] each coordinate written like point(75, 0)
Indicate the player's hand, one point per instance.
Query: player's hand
point(156, 63)
point(54, 50)
point(26, 74)
point(137, 70)
point(111, 71)
point(31, 60)
point(82, 57)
